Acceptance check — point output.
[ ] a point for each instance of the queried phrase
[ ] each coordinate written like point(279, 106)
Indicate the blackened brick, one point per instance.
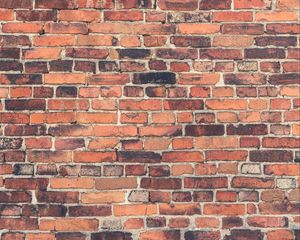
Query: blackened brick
point(154, 78)
point(191, 41)
point(134, 53)
point(111, 235)
point(67, 92)
point(142, 157)
point(24, 104)
point(247, 129)
point(10, 53)
point(285, 79)
point(271, 156)
point(204, 130)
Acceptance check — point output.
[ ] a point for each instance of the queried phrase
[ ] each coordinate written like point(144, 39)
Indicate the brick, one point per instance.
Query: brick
point(57, 197)
point(190, 5)
point(244, 233)
point(281, 169)
point(13, 53)
point(6, 15)
point(232, 17)
point(134, 4)
point(194, 41)
point(278, 208)
point(188, 28)
point(19, 105)
point(101, 198)
point(21, 27)
point(18, 223)
point(42, 53)
point(162, 183)
point(203, 182)
point(260, 4)
point(62, 28)
point(244, 79)
point(79, 15)
point(224, 209)
point(183, 104)
point(69, 224)
point(118, 183)
point(48, 156)
point(54, 41)
point(226, 155)
point(204, 130)
point(284, 79)
point(123, 16)
point(135, 210)
point(249, 129)
point(271, 156)
point(214, 235)
point(247, 182)
point(154, 78)
point(231, 41)
point(112, 235)
point(276, 234)
point(220, 54)
point(27, 4)
point(181, 53)
point(180, 209)
point(199, 79)
point(276, 16)
point(164, 235)
point(35, 15)
point(242, 28)
point(264, 53)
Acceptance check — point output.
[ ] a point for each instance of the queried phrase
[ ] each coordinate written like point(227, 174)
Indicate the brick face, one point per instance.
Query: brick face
point(149, 119)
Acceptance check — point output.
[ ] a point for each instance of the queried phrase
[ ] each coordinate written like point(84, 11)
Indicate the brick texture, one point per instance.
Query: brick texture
point(149, 120)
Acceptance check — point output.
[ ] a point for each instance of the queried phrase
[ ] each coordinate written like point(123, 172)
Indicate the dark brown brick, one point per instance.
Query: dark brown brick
point(141, 157)
point(262, 53)
point(205, 182)
point(271, 156)
point(247, 129)
point(191, 41)
point(161, 183)
point(25, 104)
point(204, 130)
point(213, 235)
point(284, 79)
point(36, 15)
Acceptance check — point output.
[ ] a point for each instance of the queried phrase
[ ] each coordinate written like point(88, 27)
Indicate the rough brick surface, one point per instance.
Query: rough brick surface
point(149, 119)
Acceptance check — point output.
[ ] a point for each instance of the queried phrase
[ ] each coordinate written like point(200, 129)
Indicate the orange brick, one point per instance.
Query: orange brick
point(96, 117)
point(79, 15)
point(65, 78)
point(276, 16)
point(135, 210)
point(54, 41)
point(102, 197)
point(231, 104)
point(42, 53)
point(224, 209)
point(200, 28)
point(207, 222)
point(232, 41)
point(216, 142)
point(69, 224)
point(182, 169)
point(21, 27)
point(62, 183)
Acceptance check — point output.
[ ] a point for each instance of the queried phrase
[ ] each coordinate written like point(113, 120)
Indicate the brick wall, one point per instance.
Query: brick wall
point(149, 119)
